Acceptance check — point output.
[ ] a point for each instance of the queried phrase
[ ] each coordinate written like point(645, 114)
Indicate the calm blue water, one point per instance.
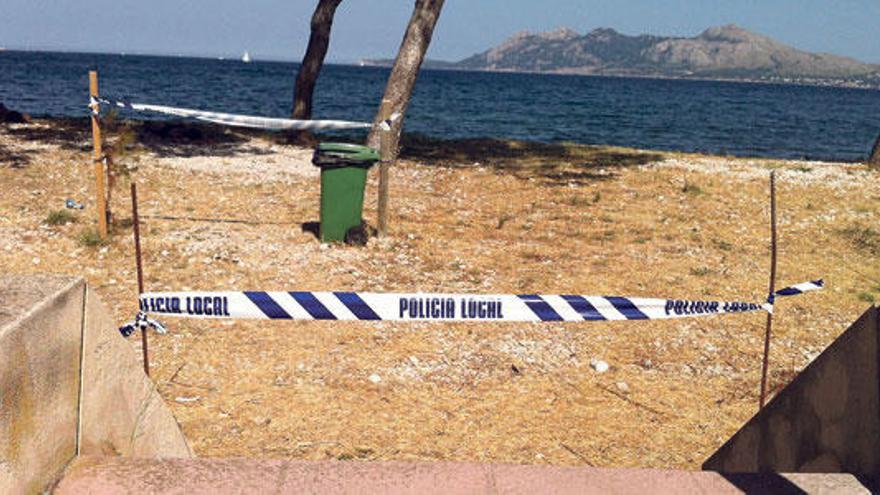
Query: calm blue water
point(714, 117)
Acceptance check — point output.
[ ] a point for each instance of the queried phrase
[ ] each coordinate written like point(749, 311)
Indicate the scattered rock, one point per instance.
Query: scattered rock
point(9, 116)
point(185, 400)
point(622, 387)
point(598, 365)
point(375, 378)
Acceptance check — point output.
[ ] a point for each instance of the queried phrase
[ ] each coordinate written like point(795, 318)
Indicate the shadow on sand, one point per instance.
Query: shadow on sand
point(170, 138)
point(14, 159)
point(557, 164)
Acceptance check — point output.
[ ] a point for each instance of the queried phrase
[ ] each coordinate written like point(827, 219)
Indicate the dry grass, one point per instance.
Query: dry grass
point(526, 218)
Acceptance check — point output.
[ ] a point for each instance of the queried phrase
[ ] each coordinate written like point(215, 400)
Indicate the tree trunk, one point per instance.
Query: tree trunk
point(405, 71)
point(398, 92)
point(874, 160)
point(310, 69)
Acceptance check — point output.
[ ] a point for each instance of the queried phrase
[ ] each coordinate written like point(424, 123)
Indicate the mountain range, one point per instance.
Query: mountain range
point(723, 52)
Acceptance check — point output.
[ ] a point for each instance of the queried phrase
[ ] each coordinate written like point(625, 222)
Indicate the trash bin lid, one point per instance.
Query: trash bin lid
point(346, 152)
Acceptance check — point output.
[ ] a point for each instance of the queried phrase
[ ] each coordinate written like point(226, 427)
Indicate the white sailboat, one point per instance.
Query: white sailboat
point(246, 58)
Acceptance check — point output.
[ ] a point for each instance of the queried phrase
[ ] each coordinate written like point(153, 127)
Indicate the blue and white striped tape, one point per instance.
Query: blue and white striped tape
point(439, 307)
point(234, 120)
point(795, 290)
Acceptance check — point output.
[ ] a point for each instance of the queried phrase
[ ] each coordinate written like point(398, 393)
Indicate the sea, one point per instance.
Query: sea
point(728, 118)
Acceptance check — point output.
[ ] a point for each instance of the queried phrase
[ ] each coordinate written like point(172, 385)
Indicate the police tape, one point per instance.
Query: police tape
point(441, 307)
point(235, 120)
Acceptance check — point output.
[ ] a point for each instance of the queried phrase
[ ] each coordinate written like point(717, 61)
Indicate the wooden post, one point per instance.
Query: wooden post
point(98, 158)
point(767, 332)
point(385, 158)
point(136, 226)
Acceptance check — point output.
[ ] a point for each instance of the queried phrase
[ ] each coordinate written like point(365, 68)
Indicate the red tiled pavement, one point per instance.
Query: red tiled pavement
point(220, 476)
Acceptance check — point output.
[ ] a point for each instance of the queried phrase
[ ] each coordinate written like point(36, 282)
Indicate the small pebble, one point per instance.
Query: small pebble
point(598, 365)
point(623, 387)
point(375, 378)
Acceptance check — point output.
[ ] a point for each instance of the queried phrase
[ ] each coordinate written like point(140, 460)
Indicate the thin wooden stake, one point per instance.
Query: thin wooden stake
point(385, 157)
point(767, 332)
point(98, 157)
point(136, 226)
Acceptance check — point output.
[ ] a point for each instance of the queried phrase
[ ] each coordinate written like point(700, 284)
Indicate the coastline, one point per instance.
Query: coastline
point(414, 145)
point(804, 82)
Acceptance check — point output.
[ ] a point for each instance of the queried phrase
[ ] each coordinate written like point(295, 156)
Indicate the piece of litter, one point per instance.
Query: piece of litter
point(184, 400)
point(599, 366)
point(375, 378)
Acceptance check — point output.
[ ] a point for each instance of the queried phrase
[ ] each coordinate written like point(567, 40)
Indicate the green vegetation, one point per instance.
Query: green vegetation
point(867, 297)
point(579, 201)
point(722, 245)
point(90, 238)
point(864, 238)
point(691, 188)
point(701, 271)
point(60, 217)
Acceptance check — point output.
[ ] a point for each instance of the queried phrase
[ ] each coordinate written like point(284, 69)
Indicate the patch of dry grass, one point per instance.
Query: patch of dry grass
point(521, 393)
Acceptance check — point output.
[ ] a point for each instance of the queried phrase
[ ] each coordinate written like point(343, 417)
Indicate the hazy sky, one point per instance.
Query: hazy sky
point(278, 29)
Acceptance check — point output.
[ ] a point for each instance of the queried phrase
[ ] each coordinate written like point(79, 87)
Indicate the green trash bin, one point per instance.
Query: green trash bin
point(343, 178)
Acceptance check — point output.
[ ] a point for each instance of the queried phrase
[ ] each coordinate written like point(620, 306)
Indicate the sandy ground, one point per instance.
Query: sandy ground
point(468, 217)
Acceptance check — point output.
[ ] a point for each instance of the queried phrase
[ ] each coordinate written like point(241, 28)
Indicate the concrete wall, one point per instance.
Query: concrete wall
point(39, 379)
point(122, 413)
point(826, 420)
point(48, 327)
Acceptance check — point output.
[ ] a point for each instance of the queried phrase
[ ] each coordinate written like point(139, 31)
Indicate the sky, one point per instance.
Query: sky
point(279, 29)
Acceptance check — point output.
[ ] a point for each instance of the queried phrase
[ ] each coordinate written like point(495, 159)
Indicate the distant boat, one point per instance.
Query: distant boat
point(246, 58)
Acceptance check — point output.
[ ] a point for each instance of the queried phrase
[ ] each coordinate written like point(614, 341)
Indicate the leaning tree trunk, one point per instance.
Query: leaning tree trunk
point(310, 69)
point(398, 92)
point(874, 160)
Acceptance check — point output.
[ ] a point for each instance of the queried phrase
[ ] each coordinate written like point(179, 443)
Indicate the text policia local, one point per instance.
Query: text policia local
point(423, 308)
point(445, 308)
point(190, 305)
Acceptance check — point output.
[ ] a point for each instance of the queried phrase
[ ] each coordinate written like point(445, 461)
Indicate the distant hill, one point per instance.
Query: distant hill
point(728, 52)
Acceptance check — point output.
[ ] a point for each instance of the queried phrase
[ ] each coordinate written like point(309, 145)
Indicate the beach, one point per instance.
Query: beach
point(225, 210)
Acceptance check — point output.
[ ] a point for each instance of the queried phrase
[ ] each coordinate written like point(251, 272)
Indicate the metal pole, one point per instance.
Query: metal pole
point(136, 226)
point(767, 332)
